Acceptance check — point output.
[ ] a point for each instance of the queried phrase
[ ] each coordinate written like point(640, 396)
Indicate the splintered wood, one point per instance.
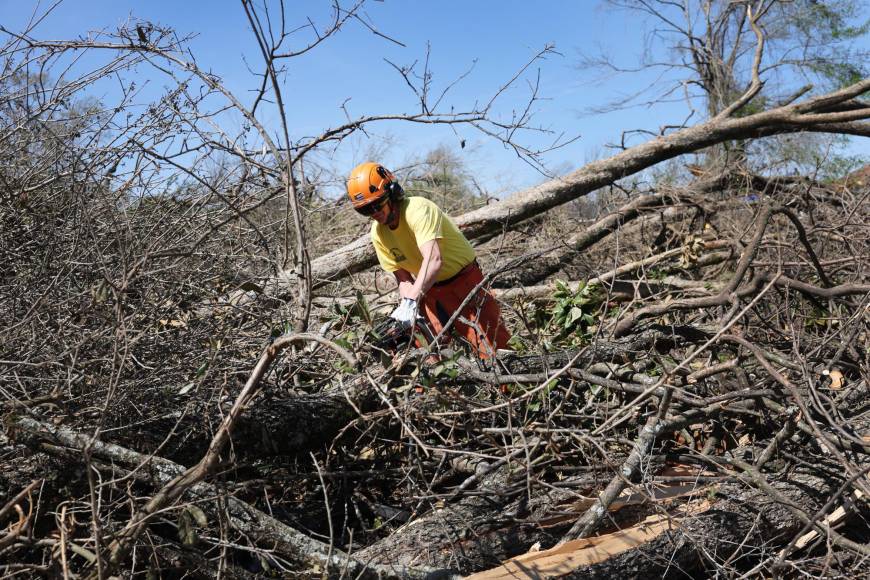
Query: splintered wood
point(576, 554)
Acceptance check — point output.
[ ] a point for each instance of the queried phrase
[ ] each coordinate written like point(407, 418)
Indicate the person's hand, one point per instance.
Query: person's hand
point(406, 312)
point(406, 289)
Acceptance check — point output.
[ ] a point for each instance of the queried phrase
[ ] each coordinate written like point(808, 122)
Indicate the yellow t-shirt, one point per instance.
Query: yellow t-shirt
point(420, 221)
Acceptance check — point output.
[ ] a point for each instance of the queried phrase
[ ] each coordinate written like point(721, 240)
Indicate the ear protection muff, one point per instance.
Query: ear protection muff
point(395, 191)
point(392, 187)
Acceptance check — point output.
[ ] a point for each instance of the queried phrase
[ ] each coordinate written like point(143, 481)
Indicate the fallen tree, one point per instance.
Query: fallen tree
point(836, 112)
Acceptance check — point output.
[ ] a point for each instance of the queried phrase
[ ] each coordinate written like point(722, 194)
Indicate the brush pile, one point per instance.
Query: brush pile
point(687, 395)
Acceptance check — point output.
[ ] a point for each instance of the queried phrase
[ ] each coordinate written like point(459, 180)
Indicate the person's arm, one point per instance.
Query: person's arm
point(413, 289)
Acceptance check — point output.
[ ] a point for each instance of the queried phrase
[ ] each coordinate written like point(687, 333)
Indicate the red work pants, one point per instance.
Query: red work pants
point(479, 322)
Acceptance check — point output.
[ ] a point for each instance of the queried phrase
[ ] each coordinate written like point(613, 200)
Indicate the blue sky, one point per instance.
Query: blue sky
point(492, 39)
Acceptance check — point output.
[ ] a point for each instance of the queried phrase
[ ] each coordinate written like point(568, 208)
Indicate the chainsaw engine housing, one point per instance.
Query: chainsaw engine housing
point(390, 335)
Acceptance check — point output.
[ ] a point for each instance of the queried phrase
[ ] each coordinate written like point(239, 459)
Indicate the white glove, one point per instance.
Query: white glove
point(405, 312)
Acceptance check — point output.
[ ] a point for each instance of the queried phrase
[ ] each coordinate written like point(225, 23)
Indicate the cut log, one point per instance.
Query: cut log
point(832, 519)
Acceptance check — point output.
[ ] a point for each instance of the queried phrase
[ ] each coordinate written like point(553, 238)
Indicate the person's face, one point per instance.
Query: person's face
point(387, 214)
point(382, 213)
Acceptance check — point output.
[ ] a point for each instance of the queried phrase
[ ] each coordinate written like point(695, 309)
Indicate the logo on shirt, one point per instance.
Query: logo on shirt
point(398, 255)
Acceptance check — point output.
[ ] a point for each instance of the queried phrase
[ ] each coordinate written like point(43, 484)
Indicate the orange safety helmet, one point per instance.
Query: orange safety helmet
point(371, 182)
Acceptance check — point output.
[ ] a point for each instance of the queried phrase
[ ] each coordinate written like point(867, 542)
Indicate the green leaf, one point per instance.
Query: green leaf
point(343, 367)
point(551, 384)
point(575, 314)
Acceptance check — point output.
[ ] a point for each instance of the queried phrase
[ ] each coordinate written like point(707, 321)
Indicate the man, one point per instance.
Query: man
point(433, 263)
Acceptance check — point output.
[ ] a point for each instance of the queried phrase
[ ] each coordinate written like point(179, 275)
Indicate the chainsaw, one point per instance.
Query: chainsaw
point(390, 335)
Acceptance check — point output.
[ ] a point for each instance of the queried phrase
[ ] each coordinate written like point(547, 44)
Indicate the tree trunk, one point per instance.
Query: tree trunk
point(269, 427)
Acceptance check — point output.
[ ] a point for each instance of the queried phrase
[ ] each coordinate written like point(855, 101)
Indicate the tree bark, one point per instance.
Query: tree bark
point(543, 266)
point(290, 425)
